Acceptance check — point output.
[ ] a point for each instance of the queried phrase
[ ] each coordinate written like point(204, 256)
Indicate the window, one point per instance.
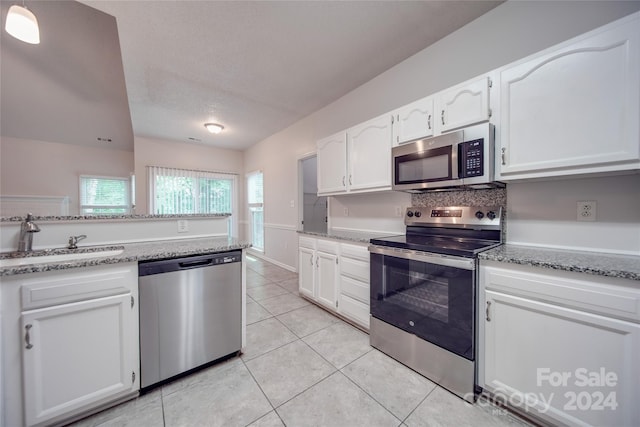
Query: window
point(101, 195)
point(256, 205)
point(181, 191)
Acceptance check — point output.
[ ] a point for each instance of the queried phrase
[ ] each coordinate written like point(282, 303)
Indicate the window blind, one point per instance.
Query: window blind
point(182, 191)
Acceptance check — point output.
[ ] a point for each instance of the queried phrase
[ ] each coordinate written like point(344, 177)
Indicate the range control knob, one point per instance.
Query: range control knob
point(479, 215)
point(418, 214)
point(409, 214)
point(491, 215)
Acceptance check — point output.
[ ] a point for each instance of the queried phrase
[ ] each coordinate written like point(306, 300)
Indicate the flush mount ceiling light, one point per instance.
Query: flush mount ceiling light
point(22, 24)
point(214, 127)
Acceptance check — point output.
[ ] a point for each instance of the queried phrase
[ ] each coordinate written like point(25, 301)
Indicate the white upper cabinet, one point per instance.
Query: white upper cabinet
point(332, 164)
point(574, 108)
point(413, 121)
point(463, 105)
point(369, 154)
point(358, 160)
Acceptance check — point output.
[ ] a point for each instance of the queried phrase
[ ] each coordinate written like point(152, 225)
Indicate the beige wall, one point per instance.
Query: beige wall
point(505, 34)
point(39, 168)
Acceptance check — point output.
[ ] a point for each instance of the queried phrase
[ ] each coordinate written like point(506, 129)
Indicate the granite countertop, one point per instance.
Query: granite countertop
point(599, 264)
point(349, 236)
point(134, 252)
point(12, 219)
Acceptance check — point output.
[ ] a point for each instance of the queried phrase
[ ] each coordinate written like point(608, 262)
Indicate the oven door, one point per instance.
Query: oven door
point(428, 295)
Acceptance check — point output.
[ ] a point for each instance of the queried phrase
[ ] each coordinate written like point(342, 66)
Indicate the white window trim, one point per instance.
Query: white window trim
point(127, 206)
point(233, 177)
point(255, 205)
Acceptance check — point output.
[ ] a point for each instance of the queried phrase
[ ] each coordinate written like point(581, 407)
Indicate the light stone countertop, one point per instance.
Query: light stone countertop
point(349, 236)
point(599, 264)
point(134, 252)
point(12, 219)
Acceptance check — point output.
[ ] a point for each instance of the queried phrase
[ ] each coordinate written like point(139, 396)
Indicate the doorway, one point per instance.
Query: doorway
point(314, 209)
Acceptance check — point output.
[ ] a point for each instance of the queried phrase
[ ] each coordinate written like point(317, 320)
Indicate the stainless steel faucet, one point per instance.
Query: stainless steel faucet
point(27, 228)
point(73, 241)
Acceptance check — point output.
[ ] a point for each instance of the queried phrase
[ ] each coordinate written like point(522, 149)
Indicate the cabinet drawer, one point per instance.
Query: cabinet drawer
point(327, 246)
point(354, 310)
point(593, 294)
point(355, 289)
point(354, 251)
point(307, 242)
point(63, 288)
point(355, 269)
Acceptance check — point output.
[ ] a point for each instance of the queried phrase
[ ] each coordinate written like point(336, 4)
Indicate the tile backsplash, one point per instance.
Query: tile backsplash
point(490, 197)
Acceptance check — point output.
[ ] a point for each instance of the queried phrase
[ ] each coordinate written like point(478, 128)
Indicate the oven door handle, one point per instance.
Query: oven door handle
point(455, 262)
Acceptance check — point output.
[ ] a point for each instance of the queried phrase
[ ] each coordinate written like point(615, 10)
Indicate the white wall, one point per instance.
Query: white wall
point(545, 214)
point(55, 234)
point(505, 34)
point(40, 168)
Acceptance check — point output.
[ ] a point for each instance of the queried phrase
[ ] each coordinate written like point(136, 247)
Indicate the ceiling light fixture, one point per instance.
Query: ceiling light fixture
point(214, 127)
point(22, 24)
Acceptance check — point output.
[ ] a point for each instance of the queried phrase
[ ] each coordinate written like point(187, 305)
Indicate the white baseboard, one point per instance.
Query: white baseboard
point(262, 256)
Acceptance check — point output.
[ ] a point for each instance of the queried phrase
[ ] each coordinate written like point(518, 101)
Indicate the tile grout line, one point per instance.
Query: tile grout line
point(365, 392)
point(261, 391)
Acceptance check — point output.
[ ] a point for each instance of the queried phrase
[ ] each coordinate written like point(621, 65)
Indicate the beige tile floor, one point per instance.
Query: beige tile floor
point(302, 367)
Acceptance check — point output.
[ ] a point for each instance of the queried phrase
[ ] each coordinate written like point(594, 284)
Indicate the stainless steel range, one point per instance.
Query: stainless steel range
point(423, 291)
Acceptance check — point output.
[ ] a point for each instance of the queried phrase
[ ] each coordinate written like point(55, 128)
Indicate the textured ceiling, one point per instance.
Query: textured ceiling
point(259, 66)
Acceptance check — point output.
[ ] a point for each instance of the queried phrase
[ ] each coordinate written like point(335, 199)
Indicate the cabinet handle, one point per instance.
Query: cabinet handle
point(442, 117)
point(343, 182)
point(502, 155)
point(487, 311)
point(317, 262)
point(311, 260)
point(27, 338)
point(350, 183)
point(429, 122)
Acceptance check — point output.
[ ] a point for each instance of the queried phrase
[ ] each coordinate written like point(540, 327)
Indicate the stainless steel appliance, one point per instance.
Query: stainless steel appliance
point(190, 313)
point(423, 292)
point(463, 158)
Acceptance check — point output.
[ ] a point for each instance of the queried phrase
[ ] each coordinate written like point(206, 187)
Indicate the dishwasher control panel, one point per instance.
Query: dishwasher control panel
point(146, 268)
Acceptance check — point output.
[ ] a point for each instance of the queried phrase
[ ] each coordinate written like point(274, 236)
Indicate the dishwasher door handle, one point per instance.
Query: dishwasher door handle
point(200, 263)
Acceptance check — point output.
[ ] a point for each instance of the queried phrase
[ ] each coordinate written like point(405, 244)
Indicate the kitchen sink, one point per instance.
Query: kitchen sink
point(45, 257)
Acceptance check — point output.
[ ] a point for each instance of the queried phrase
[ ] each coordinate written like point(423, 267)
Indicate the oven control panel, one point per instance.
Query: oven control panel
point(458, 216)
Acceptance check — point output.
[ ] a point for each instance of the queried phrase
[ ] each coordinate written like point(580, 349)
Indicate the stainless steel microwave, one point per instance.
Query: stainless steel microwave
point(463, 158)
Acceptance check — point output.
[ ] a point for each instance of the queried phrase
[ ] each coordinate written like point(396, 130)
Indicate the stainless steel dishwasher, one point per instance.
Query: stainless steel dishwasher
point(190, 313)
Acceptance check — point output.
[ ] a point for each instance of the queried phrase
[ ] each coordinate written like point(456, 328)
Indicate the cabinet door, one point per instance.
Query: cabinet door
point(332, 164)
point(306, 267)
point(327, 279)
point(413, 121)
point(575, 108)
point(570, 366)
point(77, 354)
point(369, 148)
point(463, 105)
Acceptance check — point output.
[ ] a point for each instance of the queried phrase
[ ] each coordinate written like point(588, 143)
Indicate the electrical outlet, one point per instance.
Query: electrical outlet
point(183, 226)
point(398, 211)
point(587, 210)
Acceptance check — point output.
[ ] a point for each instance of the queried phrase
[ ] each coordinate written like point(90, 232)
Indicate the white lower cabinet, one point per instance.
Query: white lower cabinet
point(561, 347)
point(75, 335)
point(354, 283)
point(336, 276)
point(318, 270)
point(307, 268)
